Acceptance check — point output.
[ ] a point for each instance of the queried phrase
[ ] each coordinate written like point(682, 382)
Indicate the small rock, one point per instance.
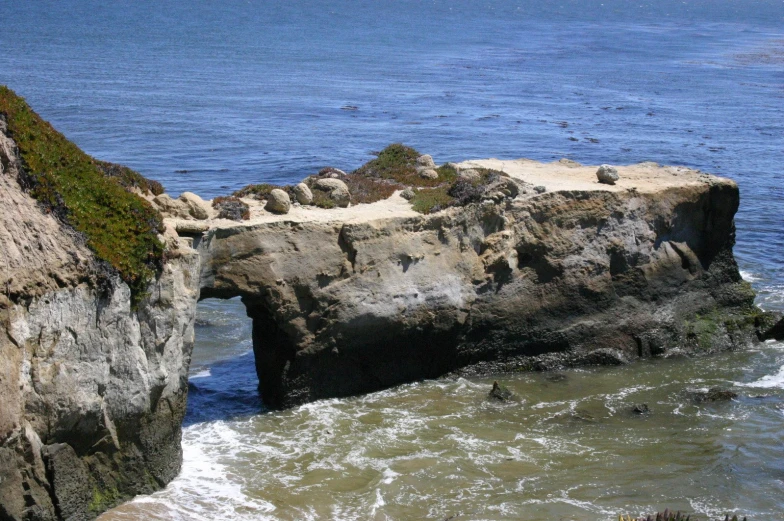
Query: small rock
point(407, 194)
point(714, 394)
point(338, 190)
point(426, 161)
point(191, 227)
point(540, 189)
point(302, 194)
point(197, 207)
point(331, 170)
point(499, 392)
point(607, 174)
point(641, 408)
point(278, 201)
point(469, 174)
point(506, 186)
point(171, 207)
point(428, 173)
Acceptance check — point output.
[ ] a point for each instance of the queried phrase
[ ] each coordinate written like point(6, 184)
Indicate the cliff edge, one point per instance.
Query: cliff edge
point(93, 381)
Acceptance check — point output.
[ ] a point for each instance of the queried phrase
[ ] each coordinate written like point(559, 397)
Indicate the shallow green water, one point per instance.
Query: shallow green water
point(567, 447)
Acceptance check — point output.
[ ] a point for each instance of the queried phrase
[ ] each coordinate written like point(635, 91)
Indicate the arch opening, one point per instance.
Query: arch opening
point(222, 380)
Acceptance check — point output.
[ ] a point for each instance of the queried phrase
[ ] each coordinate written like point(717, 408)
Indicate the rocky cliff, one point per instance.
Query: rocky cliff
point(92, 388)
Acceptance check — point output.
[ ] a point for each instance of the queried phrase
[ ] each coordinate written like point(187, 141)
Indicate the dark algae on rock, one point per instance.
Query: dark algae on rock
point(120, 227)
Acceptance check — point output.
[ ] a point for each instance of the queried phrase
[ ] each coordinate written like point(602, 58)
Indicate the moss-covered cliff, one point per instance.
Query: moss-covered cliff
point(120, 227)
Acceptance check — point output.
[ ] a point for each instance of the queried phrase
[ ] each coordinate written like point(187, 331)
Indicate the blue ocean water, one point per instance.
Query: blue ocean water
point(210, 96)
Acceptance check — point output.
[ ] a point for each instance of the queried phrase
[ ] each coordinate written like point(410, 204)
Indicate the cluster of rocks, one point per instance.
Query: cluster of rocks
point(188, 206)
point(327, 185)
point(426, 167)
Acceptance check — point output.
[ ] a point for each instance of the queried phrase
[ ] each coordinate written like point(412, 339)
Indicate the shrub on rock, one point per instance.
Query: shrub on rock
point(232, 208)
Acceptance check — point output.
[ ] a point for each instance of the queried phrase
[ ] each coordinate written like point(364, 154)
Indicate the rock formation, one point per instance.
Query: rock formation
point(345, 301)
point(92, 384)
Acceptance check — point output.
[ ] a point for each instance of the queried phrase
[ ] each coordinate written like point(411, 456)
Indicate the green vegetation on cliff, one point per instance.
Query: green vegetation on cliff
point(120, 227)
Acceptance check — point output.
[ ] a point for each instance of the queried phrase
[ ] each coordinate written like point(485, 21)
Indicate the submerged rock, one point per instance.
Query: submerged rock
point(641, 408)
point(607, 174)
point(501, 393)
point(714, 394)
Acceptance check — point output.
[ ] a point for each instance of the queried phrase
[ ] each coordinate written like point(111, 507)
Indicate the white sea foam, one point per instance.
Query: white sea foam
point(205, 490)
point(749, 276)
point(771, 381)
point(206, 373)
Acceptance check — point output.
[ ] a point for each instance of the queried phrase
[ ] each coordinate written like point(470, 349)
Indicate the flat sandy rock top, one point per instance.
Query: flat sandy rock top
point(568, 175)
point(557, 176)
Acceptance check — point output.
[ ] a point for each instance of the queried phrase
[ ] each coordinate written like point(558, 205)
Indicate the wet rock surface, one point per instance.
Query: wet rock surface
point(500, 393)
point(714, 394)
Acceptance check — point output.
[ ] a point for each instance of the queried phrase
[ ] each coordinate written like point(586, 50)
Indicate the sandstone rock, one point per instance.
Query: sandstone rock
point(426, 161)
point(506, 186)
point(190, 227)
point(303, 194)
point(337, 189)
point(428, 173)
point(528, 281)
point(198, 208)
point(278, 201)
point(607, 174)
point(407, 194)
point(172, 207)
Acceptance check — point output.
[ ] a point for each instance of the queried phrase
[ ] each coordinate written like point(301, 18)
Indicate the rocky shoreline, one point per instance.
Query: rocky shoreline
point(471, 268)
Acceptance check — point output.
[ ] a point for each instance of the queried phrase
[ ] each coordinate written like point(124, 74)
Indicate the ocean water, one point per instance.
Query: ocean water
point(210, 96)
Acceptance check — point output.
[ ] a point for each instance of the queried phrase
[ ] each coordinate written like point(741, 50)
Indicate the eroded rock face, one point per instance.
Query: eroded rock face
point(93, 392)
point(582, 276)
